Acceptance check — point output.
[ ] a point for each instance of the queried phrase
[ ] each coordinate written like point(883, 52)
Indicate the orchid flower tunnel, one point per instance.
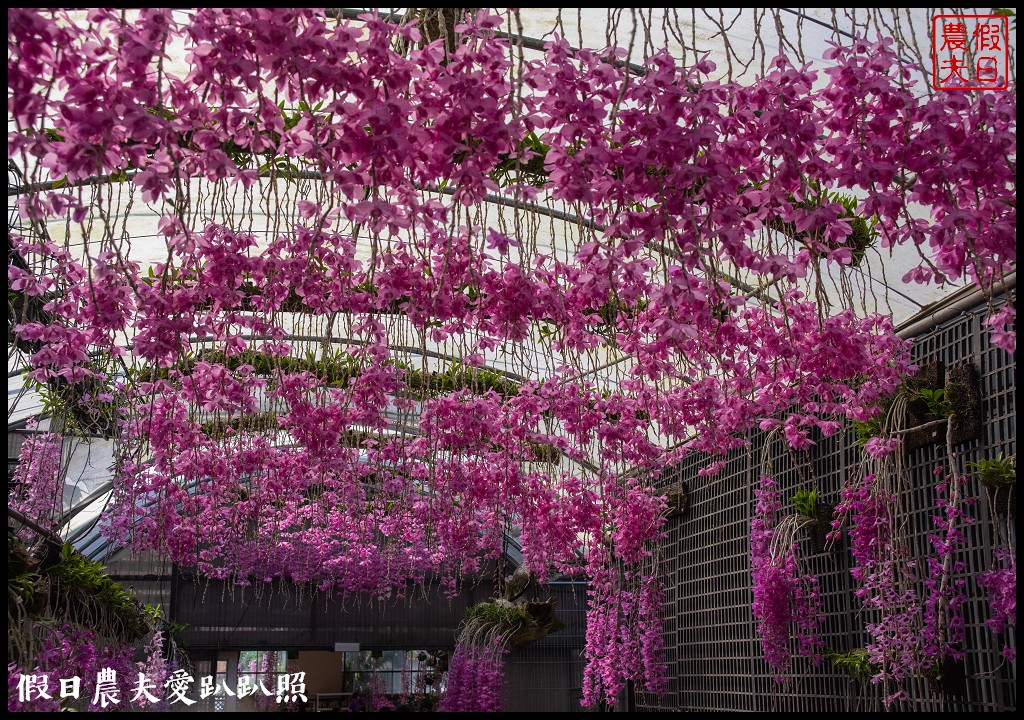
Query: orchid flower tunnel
point(409, 289)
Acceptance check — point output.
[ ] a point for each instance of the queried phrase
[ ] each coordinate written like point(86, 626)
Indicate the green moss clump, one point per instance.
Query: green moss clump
point(62, 584)
point(490, 613)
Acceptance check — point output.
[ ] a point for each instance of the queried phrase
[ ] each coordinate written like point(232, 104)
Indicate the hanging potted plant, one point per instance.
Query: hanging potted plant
point(490, 630)
point(816, 516)
point(677, 500)
point(999, 478)
point(516, 623)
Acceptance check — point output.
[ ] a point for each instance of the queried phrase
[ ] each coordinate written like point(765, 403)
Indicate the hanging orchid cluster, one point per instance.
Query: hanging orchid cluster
point(475, 680)
point(1003, 323)
point(624, 638)
point(915, 603)
point(1000, 584)
point(697, 271)
point(37, 487)
point(786, 598)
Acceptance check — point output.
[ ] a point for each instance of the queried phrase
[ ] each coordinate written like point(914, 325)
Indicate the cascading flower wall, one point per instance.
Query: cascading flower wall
point(37, 486)
point(696, 242)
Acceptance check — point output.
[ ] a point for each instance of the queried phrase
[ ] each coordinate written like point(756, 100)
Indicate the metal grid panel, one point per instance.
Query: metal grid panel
point(714, 655)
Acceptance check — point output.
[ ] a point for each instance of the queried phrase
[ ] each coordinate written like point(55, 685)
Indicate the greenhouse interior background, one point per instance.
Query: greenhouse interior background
point(511, 359)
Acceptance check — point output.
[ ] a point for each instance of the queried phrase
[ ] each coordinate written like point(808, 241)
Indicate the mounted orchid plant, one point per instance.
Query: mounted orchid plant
point(608, 266)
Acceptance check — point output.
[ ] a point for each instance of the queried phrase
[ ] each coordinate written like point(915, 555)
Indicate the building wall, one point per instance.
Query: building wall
point(545, 676)
point(323, 670)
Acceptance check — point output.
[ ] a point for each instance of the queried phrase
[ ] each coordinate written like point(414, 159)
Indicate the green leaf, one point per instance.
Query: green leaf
point(935, 400)
point(999, 471)
point(806, 503)
point(856, 663)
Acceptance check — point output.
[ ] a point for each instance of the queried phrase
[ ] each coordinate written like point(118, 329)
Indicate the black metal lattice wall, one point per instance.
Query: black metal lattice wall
point(279, 616)
point(712, 648)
